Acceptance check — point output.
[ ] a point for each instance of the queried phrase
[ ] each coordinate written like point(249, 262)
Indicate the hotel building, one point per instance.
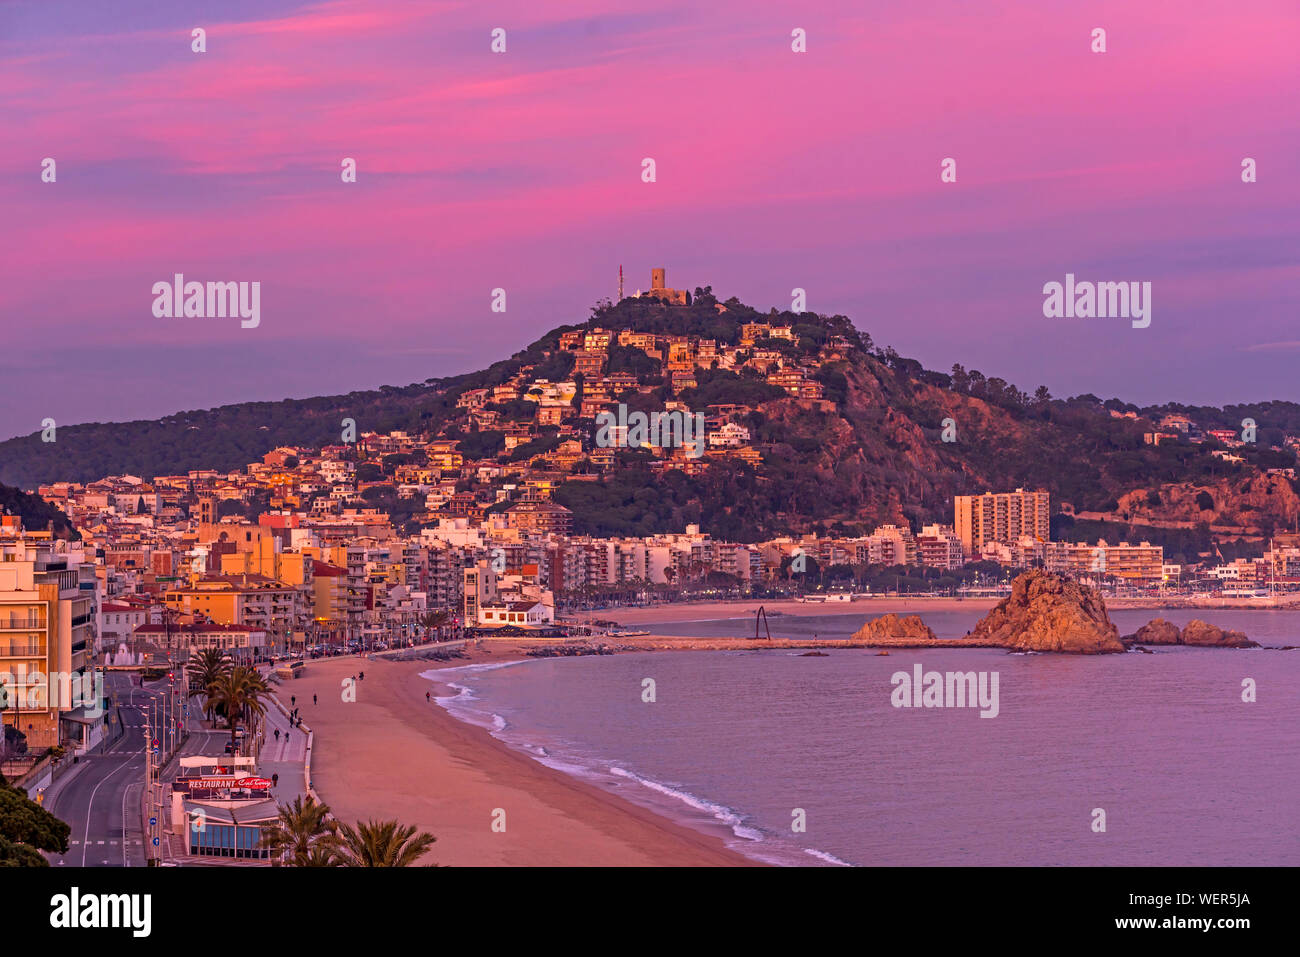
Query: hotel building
point(1001, 517)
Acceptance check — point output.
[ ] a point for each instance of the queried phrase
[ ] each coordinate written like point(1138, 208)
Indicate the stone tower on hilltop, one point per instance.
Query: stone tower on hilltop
point(659, 289)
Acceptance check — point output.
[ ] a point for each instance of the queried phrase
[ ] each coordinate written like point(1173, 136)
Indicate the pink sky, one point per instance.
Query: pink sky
point(522, 171)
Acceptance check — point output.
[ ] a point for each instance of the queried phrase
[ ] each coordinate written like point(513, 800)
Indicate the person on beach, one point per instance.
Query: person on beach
point(362, 676)
point(313, 699)
point(293, 699)
point(426, 696)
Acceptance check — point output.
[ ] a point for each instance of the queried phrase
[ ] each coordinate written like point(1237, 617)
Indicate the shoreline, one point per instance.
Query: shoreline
point(714, 610)
point(393, 753)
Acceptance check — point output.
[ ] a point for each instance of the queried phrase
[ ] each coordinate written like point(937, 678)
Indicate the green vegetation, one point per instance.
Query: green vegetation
point(303, 835)
point(26, 829)
point(237, 694)
point(36, 513)
point(382, 844)
point(724, 387)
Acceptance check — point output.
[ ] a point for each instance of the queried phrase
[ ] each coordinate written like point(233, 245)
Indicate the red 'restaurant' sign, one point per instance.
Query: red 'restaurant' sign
point(226, 781)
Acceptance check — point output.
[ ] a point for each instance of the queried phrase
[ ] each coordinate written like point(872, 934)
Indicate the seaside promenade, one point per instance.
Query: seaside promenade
point(286, 756)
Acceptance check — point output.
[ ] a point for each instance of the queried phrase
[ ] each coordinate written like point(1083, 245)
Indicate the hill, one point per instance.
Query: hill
point(872, 448)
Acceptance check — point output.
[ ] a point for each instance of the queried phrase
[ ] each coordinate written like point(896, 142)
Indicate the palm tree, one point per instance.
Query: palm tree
point(434, 619)
point(206, 669)
point(303, 835)
point(382, 844)
point(321, 856)
point(238, 692)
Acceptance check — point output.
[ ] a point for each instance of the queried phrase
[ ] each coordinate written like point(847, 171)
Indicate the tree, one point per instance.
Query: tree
point(238, 692)
point(26, 829)
point(303, 835)
point(435, 619)
point(382, 844)
point(206, 669)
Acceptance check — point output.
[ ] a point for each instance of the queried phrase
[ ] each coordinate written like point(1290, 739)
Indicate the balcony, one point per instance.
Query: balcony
point(22, 624)
point(30, 649)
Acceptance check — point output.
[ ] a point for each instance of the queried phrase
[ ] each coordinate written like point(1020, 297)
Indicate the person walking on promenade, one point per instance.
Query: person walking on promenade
point(277, 735)
point(275, 780)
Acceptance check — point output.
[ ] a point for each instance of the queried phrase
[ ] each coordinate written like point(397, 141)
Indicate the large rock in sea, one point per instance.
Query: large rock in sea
point(1157, 631)
point(1046, 612)
point(1197, 632)
point(893, 626)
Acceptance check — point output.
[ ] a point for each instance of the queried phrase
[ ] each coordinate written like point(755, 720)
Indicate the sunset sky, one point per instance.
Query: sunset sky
point(522, 171)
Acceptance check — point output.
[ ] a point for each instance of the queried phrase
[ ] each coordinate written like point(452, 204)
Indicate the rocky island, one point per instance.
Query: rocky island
point(1047, 612)
point(1197, 632)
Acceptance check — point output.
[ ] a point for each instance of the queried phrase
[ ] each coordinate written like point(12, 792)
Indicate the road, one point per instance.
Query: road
point(101, 802)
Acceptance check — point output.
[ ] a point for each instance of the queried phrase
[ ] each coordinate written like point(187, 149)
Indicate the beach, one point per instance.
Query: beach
point(392, 754)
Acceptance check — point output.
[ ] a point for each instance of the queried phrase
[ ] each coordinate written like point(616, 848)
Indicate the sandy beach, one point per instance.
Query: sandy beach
point(392, 754)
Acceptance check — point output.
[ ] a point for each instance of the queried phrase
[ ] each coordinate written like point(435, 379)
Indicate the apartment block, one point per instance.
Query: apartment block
point(47, 633)
point(1001, 517)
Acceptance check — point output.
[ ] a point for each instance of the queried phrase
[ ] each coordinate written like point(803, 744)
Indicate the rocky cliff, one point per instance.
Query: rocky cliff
point(894, 626)
point(1046, 612)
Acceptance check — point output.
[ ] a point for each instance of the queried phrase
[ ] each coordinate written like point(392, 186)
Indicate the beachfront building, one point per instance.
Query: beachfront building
point(220, 805)
point(239, 642)
point(1141, 564)
point(260, 603)
point(891, 545)
point(47, 635)
point(522, 613)
point(479, 589)
point(939, 547)
point(1001, 517)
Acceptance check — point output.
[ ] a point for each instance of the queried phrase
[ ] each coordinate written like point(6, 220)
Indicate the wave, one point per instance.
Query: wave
point(751, 841)
point(828, 858)
point(721, 812)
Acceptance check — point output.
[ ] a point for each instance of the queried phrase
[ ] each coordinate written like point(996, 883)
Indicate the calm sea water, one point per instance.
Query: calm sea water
point(1186, 772)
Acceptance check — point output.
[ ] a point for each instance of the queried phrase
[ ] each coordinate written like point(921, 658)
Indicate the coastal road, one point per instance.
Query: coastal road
point(101, 801)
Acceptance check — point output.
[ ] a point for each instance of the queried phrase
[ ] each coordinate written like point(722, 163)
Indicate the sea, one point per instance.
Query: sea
point(1182, 757)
